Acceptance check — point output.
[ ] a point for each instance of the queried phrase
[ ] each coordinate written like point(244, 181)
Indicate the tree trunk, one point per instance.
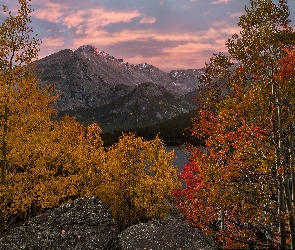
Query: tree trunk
point(3, 174)
point(290, 211)
point(282, 229)
point(279, 162)
point(222, 226)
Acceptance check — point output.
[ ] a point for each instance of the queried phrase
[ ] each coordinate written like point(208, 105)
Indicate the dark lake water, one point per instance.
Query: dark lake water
point(181, 157)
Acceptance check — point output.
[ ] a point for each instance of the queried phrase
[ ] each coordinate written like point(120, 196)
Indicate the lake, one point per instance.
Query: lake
point(181, 157)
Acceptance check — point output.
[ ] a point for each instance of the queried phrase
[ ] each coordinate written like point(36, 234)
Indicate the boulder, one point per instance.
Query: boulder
point(82, 224)
point(87, 223)
point(171, 233)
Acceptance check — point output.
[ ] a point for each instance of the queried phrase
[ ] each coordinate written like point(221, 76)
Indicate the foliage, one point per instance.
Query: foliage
point(27, 106)
point(246, 118)
point(58, 167)
point(137, 179)
point(189, 197)
point(51, 162)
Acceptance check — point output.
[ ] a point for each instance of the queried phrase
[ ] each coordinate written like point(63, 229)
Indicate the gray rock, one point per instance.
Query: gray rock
point(170, 233)
point(87, 224)
point(83, 224)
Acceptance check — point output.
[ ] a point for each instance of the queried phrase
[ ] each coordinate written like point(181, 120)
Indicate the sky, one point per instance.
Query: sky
point(169, 34)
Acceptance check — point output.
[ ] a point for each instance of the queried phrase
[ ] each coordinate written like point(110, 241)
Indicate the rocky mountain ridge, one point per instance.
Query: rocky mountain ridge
point(89, 79)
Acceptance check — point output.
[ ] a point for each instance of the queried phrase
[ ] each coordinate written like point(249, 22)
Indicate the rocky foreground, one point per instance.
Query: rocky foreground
point(88, 224)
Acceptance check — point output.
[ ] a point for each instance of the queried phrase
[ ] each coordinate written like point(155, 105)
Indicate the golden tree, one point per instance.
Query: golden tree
point(137, 179)
point(47, 162)
point(24, 105)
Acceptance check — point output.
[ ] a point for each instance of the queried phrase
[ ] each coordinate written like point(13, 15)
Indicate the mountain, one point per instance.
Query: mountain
point(146, 104)
point(95, 86)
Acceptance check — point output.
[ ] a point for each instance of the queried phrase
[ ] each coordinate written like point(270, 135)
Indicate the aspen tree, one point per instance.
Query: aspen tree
point(24, 105)
point(137, 179)
point(247, 115)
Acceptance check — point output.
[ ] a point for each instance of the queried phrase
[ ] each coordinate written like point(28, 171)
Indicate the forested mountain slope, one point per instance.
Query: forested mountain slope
point(94, 86)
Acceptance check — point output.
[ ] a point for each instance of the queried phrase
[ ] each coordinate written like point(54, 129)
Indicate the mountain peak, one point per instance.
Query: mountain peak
point(106, 56)
point(102, 54)
point(96, 86)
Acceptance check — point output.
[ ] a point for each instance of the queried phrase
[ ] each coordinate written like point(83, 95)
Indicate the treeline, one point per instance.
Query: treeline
point(174, 132)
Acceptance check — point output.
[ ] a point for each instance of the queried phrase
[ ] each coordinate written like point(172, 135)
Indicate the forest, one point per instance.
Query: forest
point(173, 132)
point(239, 186)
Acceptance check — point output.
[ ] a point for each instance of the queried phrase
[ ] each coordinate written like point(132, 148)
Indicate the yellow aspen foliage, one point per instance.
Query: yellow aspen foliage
point(90, 155)
point(137, 179)
point(47, 162)
point(61, 167)
point(25, 108)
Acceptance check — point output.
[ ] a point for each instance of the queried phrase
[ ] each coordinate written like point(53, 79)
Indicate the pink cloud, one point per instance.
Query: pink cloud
point(50, 12)
point(103, 38)
point(53, 42)
point(219, 33)
point(95, 17)
point(236, 14)
point(195, 47)
point(99, 17)
point(74, 19)
point(221, 1)
point(148, 20)
point(171, 61)
point(184, 49)
point(197, 44)
point(50, 45)
point(224, 28)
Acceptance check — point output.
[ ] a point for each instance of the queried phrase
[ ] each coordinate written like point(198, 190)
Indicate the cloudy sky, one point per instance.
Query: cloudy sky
point(169, 34)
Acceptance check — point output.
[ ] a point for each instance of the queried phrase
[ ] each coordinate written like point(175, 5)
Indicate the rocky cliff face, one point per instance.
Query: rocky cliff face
point(82, 82)
point(186, 81)
point(96, 86)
